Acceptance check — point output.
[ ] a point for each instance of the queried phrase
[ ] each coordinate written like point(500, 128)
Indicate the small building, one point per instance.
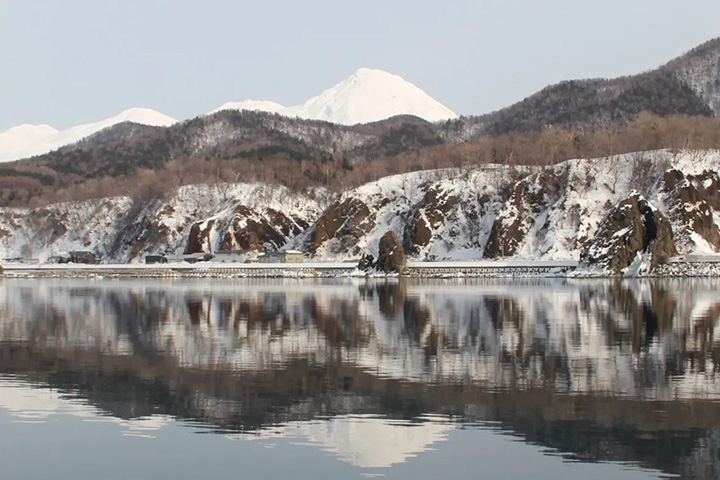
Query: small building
point(285, 256)
point(83, 256)
point(233, 256)
point(197, 257)
point(294, 256)
point(150, 259)
point(61, 258)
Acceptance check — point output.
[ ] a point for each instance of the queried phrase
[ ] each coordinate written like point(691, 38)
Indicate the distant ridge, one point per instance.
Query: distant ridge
point(30, 140)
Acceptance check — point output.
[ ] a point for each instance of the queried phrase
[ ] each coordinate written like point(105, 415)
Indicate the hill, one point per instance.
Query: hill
point(687, 85)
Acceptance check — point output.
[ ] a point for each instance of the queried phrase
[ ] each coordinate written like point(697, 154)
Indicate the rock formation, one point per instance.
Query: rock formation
point(427, 217)
point(345, 221)
point(693, 199)
point(391, 256)
point(632, 227)
point(529, 198)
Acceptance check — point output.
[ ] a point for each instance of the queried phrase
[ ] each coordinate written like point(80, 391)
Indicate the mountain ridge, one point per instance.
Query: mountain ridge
point(40, 139)
point(686, 85)
point(367, 96)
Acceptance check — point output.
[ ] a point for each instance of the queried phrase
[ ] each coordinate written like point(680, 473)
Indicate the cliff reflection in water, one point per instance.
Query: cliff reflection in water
point(597, 370)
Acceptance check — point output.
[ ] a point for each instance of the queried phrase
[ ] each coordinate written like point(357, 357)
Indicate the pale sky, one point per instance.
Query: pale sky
point(66, 62)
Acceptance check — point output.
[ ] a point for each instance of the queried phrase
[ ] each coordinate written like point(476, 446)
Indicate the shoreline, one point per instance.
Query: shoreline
point(478, 269)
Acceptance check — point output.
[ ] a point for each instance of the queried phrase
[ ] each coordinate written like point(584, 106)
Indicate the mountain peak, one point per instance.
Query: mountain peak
point(145, 116)
point(368, 95)
point(365, 72)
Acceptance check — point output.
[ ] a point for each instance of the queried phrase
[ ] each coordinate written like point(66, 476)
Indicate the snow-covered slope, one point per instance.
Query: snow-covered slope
point(550, 213)
point(368, 95)
point(118, 229)
point(252, 105)
point(17, 139)
point(699, 69)
point(29, 140)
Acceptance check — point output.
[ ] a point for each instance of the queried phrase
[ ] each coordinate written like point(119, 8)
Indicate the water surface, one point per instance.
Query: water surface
point(352, 379)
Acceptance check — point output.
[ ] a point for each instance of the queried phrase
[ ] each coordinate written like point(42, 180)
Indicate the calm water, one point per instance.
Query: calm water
point(428, 379)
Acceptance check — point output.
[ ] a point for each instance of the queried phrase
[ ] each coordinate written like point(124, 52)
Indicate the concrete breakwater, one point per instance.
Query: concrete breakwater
point(299, 270)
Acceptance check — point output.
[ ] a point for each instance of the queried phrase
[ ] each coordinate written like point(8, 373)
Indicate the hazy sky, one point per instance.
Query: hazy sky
point(66, 62)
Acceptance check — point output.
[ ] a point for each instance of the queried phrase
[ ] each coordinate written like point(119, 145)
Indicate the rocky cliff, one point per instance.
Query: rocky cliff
point(551, 213)
point(200, 218)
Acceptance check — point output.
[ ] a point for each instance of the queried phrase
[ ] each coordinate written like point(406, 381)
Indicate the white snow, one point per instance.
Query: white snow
point(15, 140)
point(366, 96)
point(29, 140)
point(253, 105)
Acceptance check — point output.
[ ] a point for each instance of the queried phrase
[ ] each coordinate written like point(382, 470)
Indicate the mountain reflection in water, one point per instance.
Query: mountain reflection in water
point(378, 372)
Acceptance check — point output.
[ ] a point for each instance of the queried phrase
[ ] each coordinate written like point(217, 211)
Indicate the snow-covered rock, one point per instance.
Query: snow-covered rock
point(457, 229)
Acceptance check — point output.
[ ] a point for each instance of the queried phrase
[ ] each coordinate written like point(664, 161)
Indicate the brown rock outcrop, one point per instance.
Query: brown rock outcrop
point(632, 226)
point(345, 221)
point(692, 201)
point(198, 239)
point(391, 256)
point(428, 215)
point(529, 197)
point(247, 229)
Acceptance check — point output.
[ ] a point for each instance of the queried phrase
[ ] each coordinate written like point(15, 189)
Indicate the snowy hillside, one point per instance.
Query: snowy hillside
point(122, 230)
point(550, 213)
point(30, 140)
point(699, 69)
point(366, 96)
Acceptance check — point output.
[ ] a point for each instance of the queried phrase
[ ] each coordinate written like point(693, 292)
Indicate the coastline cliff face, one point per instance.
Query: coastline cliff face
point(560, 212)
point(633, 231)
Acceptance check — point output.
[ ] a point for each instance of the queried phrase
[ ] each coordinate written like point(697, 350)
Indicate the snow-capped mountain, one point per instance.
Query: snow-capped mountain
point(28, 140)
point(15, 140)
point(368, 95)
